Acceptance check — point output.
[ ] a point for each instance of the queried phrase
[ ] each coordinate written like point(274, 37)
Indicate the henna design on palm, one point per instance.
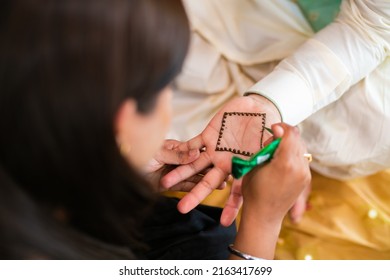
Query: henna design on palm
point(231, 133)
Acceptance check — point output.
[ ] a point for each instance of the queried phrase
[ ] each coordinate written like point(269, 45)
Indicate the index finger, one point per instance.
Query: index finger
point(183, 172)
point(290, 143)
point(208, 184)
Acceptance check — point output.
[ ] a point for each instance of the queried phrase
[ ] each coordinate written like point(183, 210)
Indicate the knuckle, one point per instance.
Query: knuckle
point(188, 145)
point(305, 176)
point(192, 165)
point(206, 184)
point(180, 156)
point(289, 166)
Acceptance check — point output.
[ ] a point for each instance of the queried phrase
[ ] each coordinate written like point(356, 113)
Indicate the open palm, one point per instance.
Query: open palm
point(238, 128)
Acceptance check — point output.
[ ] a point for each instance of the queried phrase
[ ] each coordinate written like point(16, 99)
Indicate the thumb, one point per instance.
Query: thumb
point(278, 130)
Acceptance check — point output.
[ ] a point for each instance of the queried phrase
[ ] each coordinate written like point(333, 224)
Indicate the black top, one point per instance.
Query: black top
point(197, 235)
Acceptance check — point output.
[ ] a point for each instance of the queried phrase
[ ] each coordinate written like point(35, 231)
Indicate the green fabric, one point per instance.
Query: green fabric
point(319, 13)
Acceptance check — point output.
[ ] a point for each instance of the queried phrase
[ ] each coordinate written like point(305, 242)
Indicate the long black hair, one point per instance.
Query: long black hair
point(65, 69)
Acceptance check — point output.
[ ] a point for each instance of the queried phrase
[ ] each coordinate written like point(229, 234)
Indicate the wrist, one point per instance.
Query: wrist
point(259, 209)
point(257, 234)
point(261, 216)
point(265, 101)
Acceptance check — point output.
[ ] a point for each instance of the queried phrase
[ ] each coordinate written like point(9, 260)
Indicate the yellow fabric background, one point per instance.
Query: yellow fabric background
point(347, 220)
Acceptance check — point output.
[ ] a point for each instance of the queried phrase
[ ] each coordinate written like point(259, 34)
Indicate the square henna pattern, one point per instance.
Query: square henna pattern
point(240, 128)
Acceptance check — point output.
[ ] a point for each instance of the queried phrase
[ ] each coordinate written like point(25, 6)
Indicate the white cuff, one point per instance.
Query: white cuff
point(294, 105)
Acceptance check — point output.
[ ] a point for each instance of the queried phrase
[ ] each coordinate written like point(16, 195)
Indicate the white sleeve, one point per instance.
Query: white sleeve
point(325, 66)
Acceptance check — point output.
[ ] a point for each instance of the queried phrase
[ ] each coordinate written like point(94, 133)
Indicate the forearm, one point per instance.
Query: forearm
point(269, 192)
point(257, 235)
point(324, 67)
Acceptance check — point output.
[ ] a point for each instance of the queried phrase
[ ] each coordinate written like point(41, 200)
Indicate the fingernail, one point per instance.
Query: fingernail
point(278, 130)
point(296, 220)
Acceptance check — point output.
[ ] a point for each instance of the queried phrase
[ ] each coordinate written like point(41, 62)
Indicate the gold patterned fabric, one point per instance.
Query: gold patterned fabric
point(346, 220)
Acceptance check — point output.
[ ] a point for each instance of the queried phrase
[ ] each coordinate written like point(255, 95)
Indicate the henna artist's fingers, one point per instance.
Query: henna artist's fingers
point(301, 205)
point(268, 141)
point(222, 186)
point(270, 137)
point(194, 143)
point(201, 190)
point(183, 172)
point(278, 130)
point(177, 157)
point(225, 182)
point(233, 204)
point(299, 208)
point(183, 187)
point(171, 144)
point(188, 184)
point(290, 143)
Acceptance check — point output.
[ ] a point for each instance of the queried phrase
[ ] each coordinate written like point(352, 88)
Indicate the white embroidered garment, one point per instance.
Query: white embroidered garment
point(321, 79)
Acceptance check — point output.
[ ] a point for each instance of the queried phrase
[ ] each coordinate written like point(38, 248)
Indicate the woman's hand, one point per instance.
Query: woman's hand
point(167, 159)
point(243, 133)
point(269, 192)
point(274, 188)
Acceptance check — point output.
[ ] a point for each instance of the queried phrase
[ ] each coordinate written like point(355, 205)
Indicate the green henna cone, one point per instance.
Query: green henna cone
point(269, 130)
point(240, 166)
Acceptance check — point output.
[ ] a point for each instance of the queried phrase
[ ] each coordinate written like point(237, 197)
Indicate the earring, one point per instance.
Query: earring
point(124, 149)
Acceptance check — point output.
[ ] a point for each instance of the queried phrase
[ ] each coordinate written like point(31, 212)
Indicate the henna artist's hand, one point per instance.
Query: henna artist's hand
point(269, 192)
point(276, 186)
point(300, 206)
point(237, 128)
point(168, 158)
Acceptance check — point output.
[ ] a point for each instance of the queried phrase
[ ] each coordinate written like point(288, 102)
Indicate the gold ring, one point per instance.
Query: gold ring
point(308, 156)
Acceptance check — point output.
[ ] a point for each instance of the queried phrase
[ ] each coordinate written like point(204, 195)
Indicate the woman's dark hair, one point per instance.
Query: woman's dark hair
point(65, 69)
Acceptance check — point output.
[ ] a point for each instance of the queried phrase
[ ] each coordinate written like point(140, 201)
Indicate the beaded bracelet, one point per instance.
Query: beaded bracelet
point(241, 254)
